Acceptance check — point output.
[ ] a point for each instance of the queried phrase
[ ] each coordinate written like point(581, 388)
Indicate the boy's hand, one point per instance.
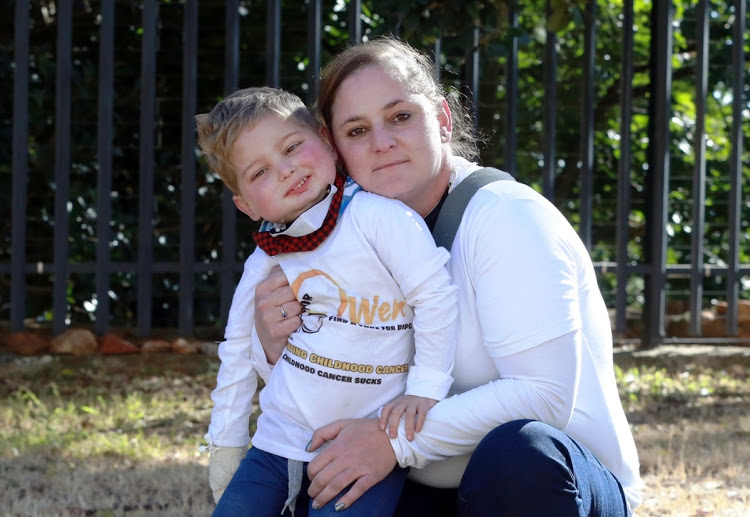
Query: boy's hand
point(413, 408)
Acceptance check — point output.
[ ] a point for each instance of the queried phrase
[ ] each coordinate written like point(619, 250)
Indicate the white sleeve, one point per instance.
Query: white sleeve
point(539, 383)
point(237, 381)
point(521, 274)
point(392, 228)
point(258, 359)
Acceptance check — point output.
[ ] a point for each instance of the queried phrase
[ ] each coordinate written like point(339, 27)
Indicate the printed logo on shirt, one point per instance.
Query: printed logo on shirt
point(360, 311)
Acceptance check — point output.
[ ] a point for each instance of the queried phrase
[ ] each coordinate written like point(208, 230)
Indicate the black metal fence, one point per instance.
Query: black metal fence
point(126, 230)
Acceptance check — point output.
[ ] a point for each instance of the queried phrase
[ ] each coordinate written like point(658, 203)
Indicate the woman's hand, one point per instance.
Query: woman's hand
point(276, 313)
point(358, 452)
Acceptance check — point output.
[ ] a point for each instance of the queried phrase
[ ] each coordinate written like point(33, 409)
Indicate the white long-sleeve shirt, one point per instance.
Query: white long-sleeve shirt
point(535, 340)
point(379, 321)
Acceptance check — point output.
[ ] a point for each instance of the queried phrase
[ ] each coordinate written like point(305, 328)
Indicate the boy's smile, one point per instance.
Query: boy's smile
point(283, 168)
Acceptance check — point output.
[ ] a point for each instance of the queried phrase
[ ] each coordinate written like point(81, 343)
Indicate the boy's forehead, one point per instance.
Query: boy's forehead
point(286, 119)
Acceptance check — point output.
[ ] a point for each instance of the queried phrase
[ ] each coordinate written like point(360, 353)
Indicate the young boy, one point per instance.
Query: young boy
point(379, 309)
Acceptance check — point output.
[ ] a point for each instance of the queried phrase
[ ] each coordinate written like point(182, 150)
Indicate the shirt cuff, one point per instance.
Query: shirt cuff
point(428, 383)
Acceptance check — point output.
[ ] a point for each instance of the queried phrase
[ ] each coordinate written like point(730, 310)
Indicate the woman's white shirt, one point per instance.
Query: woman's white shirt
point(530, 311)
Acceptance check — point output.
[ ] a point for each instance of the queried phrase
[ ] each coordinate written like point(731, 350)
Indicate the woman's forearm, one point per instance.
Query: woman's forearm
point(457, 424)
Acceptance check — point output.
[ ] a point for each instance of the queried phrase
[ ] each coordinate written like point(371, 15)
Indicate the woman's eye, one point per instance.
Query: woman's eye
point(356, 131)
point(401, 117)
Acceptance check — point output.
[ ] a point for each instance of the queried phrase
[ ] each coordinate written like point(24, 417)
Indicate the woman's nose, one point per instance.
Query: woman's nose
point(382, 139)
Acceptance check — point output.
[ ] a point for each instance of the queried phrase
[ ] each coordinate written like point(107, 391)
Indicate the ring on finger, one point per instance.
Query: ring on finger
point(283, 312)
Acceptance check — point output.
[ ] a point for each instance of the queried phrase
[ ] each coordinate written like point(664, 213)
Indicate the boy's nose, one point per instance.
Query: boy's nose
point(286, 169)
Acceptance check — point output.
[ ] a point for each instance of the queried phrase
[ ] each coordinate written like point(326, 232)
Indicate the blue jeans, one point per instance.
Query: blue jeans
point(260, 487)
point(523, 468)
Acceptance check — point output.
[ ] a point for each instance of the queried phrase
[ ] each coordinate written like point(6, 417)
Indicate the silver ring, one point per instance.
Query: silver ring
point(283, 312)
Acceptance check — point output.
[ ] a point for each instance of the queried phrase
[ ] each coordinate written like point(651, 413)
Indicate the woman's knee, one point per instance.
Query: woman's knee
point(514, 464)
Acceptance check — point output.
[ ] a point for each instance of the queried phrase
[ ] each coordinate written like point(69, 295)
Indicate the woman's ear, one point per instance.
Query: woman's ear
point(445, 121)
point(246, 208)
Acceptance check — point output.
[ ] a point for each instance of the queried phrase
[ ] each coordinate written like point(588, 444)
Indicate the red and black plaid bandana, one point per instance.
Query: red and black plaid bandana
point(286, 244)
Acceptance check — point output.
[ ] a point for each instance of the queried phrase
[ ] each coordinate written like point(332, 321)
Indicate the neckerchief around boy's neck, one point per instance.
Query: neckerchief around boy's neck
point(275, 244)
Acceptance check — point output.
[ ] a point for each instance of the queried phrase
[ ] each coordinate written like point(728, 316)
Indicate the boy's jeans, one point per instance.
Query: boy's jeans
point(260, 487)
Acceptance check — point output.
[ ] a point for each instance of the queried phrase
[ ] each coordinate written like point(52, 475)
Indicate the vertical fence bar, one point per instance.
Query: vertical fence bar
point(20, 166)
point(511, 94)
point(699, 173)
point(623, 176)
point(550, 110)
point(472, 77)
point(228, 210)
point(355, 22)
point(146, 166)
point(735, 168)
point(104, 159)
point(62, 161)
point(587, 124)
point(314, 32)
point(659, 173)
point(273, 43)
point(187, 201)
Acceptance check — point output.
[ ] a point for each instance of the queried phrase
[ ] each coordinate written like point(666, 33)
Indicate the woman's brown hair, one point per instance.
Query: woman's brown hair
point(413, 68)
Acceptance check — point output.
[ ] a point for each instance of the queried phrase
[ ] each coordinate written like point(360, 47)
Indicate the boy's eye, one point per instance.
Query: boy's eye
point(259, 173)
point(292, 147)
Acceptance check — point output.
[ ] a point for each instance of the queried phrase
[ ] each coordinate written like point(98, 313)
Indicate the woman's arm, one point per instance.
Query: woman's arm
point(358, 451)
point(540, 383)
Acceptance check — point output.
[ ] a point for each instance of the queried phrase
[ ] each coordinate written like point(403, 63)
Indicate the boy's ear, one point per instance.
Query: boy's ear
point(325, 136)
point(245, 207)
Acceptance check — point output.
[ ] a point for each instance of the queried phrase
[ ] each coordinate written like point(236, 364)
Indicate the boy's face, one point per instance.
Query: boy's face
point(283, 168)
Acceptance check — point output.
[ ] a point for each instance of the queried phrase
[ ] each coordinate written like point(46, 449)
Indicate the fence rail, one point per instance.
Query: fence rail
point(220, 271)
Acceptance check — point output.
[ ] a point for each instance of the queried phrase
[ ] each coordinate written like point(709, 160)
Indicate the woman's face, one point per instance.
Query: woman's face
point(394, 142)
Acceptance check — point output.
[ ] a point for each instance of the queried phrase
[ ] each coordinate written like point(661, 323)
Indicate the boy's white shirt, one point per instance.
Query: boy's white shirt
point(376, 246)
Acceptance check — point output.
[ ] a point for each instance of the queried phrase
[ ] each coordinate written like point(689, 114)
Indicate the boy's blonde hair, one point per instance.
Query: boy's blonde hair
point(219, 129)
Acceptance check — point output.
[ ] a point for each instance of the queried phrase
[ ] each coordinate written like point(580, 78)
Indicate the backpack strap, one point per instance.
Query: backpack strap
point(453, 208)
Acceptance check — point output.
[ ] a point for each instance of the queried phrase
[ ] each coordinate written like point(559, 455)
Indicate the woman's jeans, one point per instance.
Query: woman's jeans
point(523, 468)
point(260, 487)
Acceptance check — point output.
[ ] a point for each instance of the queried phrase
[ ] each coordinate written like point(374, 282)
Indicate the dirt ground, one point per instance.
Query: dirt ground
point(694, 451)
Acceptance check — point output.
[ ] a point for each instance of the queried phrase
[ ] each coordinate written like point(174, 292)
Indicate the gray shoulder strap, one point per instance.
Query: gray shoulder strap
point(453, 208)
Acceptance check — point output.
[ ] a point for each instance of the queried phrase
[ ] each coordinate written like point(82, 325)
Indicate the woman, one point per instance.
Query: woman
point(535, 426)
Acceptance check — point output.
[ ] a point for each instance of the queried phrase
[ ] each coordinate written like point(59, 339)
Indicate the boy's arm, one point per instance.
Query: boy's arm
point(228, 432)
point(406, 248)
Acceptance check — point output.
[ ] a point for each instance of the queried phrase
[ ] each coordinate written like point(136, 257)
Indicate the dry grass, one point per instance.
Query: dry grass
point(119, 436)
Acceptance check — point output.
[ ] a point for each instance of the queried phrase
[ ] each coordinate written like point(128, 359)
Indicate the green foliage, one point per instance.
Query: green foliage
point(419, 22)
point(651, 385)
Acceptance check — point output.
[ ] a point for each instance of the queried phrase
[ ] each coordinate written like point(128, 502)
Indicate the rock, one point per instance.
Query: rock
point(28, 343)
point(156, 346)
point(112, 344)
point(743, 308)
point(183, 346)
point(209, 348)
point(715, 326)
point(78, 342)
